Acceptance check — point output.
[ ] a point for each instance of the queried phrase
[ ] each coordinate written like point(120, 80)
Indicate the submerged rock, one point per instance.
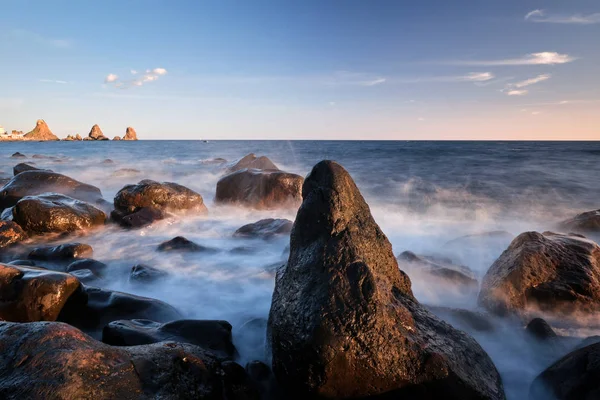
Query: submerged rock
point(54, 360)
point(33, 294)
point(31, 183)
point(145, 274)
point(260, 189)
point(251, 161)
point(89, 264)
point(62, 252)
point(587, 222)
point(549, 271)
point(210, 335)
point(182, 244)
point(539, 329)
point(265, 228)
point(52, 212)
point(343, 320)
point(439, 270)
point(11, 233)
point(18, 155)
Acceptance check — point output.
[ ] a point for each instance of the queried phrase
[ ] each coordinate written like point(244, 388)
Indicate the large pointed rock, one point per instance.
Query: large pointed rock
point(344, 322)
point(96, 133)
point(130, 134)
point(41, 132)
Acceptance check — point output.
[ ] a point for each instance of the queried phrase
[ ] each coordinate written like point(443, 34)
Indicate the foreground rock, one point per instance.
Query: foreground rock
point(146, 274)
point(33, 294)
point(265, 228)
point(31, 183)
point(181, 244)
point(210, 335)
point(587, 222)
point(104, 306)
point(53, 360)
point(573, 377)
point(438, 270)
point(41, 132)
point(549, 271)
point(143, 217)
point(10, 234)
point(130, 134)
point(53, 213)
point(260, 189)
point(155, 197)
point(17, 169)
point(67, 251)
point(344, 322)
point(251, 161)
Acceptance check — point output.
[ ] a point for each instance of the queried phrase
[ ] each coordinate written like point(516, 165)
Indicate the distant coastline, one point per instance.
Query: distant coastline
point(42, 133)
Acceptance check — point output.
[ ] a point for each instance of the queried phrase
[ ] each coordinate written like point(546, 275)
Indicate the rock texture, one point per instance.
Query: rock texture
point(10, 234)
point(130, 134)
point(251, 161)
point(96, 133)
point(53, 213)
point(33, 294)
point(29, 183)
point(343, 320)
point(49, 360)
point(17, 169)
point(260, 189)
point(143, 217)
point(573, 377)
point(67, 251)
point(41, 132)
point(587, 222)
point(549, 271)
point(265, 228)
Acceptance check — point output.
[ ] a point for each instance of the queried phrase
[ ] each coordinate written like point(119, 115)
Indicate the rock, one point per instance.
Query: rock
point(11, 233)
point(467, 320)
point(343, 320)
point(30, 183)
point(130, 134)
point(145, 274)
point(117, 138)
point(104, 306)
point(41, 132)
point(182, 244)
point(125, 172)
point(17, 169)
point(265, 228)
point(69, 138)
point(108, 161)
point(573, 377)
point(213, 161)
point(62, 252)
point(440, 270)
point(85, 276)
point(78, 137)
point(587, 222)
point(166, 196)
point(18, 155)
point(96, 133)
point(88, 264)
point(251, 161)
point(549, 271)
point(143, 217)
point(33, 294)
point(52, 212)
point(258, 370)
point(214, 336)
point(539, 329)
point(260, 189)
point(588, 341)
point(49, 360)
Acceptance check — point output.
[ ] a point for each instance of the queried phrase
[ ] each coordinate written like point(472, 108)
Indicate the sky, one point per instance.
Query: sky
point(304, 69)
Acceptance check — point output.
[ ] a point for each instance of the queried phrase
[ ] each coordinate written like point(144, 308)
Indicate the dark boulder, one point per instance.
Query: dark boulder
point(62, 252)
point(18, 155)
point(104, 306)
point(166, 196)
point(265, 228)
point(214, 336)
point(539, 329)
point(33, 294)
point(145, 274)
point(143, 217)
point(343, 320)
point(439, 270)
point(251, 161)
point(260, 189)
point(19, 168)
point(549, 271)
point(573, 377)
point(11, 233)
point(86, 276)
point(96, 267)
point(181, 244)
point(587, 222)
point(30, 183)
point(49, 360)
point(52, 212)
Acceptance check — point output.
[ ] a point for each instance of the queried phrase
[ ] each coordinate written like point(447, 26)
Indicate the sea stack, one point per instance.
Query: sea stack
point(41, 132)
point(130, 134)
point(96, 133)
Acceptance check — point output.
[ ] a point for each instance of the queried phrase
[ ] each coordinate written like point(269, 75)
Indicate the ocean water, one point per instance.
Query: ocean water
point(422, 194)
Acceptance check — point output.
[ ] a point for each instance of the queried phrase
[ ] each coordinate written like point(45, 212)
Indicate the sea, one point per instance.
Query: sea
point(423, 194)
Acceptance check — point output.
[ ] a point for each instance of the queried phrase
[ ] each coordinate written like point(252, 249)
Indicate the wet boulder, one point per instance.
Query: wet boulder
point(31, 183)
point(11, 233)
point(344, 322)
point(96, 267)
point(104, 306)
point(437, 269)
point(52, 212)
point(260, 189)
point(573, 377)
point(547, 271)
point(65, 251)
point(210, 335)
point(145, 274)
point(265, 228)
point(33, 294)
point(143, 217)
point(251, 161)
point(17, 169)
point(587, 222)
point(54, 360)
point(181, 244)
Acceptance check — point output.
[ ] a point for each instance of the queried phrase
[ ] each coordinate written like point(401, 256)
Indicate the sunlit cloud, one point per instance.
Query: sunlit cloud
point(517, 92)
point(150, 75)
point(110, 78)
point(541, 16)
point(53, 81)
point(543, 58)
point(516, 89)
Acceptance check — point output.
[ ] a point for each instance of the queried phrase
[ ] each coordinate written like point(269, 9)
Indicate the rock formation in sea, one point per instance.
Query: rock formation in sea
point(117, 138)
point(41, 132)
point(130, 134)
point(96, 133)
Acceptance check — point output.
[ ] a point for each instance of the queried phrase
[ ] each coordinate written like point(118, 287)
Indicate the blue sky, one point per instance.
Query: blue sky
point(347, 69)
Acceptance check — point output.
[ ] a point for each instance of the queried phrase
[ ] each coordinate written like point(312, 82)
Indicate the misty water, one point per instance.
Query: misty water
point(422, 194)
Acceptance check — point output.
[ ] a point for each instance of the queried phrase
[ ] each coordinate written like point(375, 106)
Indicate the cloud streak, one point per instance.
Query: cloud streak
point(53, 81)
point(540, 16)
point(543, 58)
point(517, 88)
point(23, 35)
point(150, 75)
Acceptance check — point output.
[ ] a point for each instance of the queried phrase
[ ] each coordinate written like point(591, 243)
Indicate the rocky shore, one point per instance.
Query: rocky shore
point(344, 322)
point(42, 133)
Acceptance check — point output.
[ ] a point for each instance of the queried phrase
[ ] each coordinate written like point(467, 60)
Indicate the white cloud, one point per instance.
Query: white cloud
point(150, 75)
point(110, 78)
point(479, 76)
point(355, 78)
point(532, 81)
point(517, 92)
point(133, 72)
point(374, 82)
point(543, 58)
point(159, 71)
point(53, 81)
point(540, 16)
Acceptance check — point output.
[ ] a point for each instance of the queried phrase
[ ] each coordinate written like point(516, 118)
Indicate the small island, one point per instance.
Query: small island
point(42, 133)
